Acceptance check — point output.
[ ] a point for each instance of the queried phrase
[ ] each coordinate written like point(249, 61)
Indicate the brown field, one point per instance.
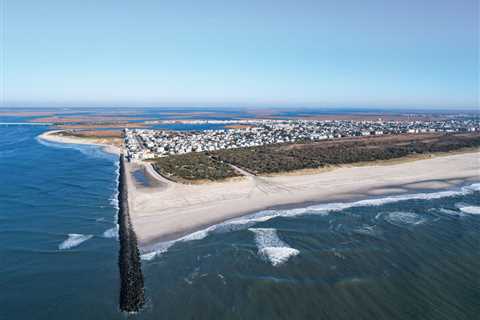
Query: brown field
point(94, 133)
point(193, 113)
point(26, 113)
point(238, 126)
point(84, 119)
point(100, 126)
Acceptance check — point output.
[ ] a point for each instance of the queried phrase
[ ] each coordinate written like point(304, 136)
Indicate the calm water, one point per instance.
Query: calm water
point(410, 259)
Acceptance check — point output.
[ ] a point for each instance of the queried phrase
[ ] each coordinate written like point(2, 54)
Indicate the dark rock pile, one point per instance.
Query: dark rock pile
point(132, 296)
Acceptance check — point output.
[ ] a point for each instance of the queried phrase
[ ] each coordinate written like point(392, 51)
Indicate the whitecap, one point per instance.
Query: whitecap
point(156, 250)
point(74, 240)
point(114, 200)
point(400, 218)
point(231, 225)
point(271, 247)
point(320, 209)
point(466, 208)
point(368, 231)
point(450, 212)
point(90, 150)
point(111, 233)
point(114, 197)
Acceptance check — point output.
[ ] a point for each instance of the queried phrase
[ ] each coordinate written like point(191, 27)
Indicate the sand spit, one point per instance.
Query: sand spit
point(53, 136)
point(168, 211)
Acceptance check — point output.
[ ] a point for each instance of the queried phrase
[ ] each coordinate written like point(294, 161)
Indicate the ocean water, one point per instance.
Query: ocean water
point(409, 257)
point(58, 259)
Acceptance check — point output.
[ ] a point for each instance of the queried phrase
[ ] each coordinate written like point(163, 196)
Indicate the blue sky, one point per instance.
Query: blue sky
point(410, 53)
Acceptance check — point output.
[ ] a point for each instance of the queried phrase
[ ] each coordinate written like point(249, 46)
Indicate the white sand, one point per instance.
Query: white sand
point(172, 210)
point(52, 136)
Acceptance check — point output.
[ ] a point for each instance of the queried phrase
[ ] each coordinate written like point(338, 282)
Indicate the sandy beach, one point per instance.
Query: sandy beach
point(171, 210)
point(52, 136)
point(166, 210)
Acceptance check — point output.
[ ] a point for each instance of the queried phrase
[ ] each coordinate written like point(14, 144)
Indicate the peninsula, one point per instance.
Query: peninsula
point(165, 209)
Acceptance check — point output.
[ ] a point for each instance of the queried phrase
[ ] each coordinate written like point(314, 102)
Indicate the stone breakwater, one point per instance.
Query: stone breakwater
point(132, 296)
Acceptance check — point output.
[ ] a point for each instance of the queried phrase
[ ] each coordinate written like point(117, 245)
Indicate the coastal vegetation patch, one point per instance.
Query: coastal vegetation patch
point(193, 167)
point(288, 157)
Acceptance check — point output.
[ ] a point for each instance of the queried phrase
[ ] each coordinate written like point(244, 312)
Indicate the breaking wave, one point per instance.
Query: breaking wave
point(247, 221)
point(450, 212)
point(157, 250)
point(270, 246)
point(368, 231)
point(111, 233)
point(114, 197)
point(89, 150)
point(114, 200)
point(400, 218)
point(466, 208)
point(74, 240)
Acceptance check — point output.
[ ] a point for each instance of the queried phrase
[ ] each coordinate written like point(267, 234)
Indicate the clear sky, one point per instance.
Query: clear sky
point(412, 53)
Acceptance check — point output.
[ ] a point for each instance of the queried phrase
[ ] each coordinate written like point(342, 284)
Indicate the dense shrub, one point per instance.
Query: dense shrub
point(193, 166)
point(287, 157)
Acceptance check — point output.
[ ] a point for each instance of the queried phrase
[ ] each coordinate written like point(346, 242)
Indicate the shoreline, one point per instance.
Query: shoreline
point(52, 136)
point(177, 210)
point(168, 211)
point(157, 247)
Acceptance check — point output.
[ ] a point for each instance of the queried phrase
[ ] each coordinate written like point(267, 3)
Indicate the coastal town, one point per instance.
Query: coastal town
point(144, 144)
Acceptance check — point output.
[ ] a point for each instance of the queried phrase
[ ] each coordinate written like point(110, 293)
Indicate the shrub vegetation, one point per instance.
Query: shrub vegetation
point(193, 166)
point(288, 157)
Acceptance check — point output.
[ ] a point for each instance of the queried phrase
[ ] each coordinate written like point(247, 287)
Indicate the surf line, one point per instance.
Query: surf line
point(132, 292)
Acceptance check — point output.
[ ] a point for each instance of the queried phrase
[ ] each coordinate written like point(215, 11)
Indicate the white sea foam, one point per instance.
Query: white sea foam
point(162, 247)
point(157, 250)
point(271, 247)
point(320, 209)
point(114, 200)
point(90, 150)
point(450, 212)
point(402, 218)
point(74, 240)
point(466, 208)
point(111, 233)
point(368, 230)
